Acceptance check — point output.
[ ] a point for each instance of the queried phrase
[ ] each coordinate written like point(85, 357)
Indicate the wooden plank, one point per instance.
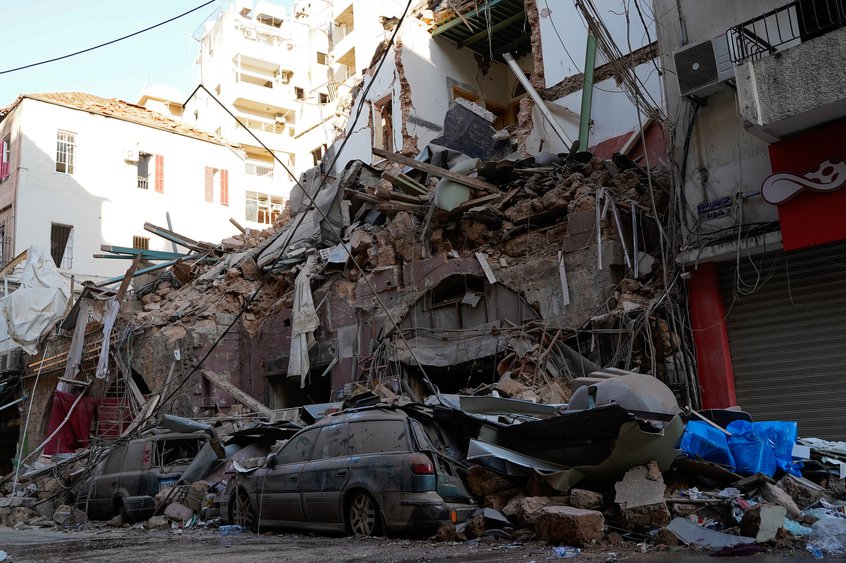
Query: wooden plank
point(483, 262)
point(541, 105)
point(509, 196)
point(240, 396)
point(13, 263)
point(470, 204)
point(438, 171)
point(406, 184)
point(237, 225)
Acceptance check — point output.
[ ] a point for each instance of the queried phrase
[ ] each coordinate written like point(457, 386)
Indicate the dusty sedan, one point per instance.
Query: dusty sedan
point(363, 472)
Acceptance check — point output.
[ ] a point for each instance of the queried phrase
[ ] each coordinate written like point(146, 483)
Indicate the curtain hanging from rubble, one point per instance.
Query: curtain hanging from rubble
point(304, 322)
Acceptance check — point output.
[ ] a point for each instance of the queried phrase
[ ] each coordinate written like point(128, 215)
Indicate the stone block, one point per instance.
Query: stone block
point(62, 514)
point(178, 512)
point(580, 498)
point(570, 526)
point(158, 523)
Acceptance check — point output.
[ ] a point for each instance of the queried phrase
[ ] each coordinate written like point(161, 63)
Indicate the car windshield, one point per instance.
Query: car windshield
point(176, 451)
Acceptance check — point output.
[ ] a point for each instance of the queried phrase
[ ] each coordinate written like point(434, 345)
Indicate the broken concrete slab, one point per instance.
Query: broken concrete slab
point(569, 525)
point(639, 487)
point(776, 495)
point(763, 522)
point(691, 534)
point(178, 512)
point(803, 491)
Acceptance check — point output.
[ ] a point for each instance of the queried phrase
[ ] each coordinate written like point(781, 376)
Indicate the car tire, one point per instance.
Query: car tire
point(363, 514)
point(242, 512)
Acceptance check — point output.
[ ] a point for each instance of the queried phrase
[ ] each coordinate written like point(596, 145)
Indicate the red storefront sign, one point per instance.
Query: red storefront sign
point(809, 186)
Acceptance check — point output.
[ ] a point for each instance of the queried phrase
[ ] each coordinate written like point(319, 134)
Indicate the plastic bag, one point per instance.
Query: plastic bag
point(702, 441)
point(828, 535)
point(782, 437)
point(752, 453)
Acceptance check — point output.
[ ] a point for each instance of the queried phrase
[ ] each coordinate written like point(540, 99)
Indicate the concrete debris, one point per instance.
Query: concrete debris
point(763, 522)
point(776, 495)
point(569, 526)
point(580, 498)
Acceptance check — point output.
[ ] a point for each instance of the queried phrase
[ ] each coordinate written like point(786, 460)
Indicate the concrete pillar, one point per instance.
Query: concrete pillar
point(708, 321)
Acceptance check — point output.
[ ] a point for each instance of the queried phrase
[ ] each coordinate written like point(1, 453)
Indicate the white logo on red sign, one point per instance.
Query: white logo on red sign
point(828, 176)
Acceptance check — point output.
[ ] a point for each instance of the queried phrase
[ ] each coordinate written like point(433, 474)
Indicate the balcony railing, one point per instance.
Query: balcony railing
point(785, 27)
point(259, 169)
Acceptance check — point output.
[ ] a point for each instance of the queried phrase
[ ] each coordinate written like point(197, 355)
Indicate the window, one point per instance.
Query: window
point(65, 152)
point(299, 448)
point(467, 95)
point(383, 132)
point(322, 98)
point(318, 154)
point(220, 179)
point(144, 171)
point(61, 245)
point(6, 157)
point(141, 243)
point(378, 436)
point(224, 187)
point(263, 208)
point(322, 58)
point(299, 92)
point(334, 441)
point(176, 452)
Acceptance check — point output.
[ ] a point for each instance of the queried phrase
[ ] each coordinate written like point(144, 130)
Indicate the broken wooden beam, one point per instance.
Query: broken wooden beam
point(253, 404)
point(13, 263)
point(406, 184)
point(474, 183)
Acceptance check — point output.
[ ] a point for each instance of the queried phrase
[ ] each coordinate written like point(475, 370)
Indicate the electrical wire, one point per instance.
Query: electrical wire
point(292, 231)
point(107, 43)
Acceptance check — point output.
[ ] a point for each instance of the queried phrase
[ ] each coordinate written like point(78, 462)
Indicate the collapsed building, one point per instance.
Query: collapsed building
point(445, 246)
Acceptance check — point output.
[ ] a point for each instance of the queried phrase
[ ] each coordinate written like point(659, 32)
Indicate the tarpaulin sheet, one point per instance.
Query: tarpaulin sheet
point(38, 304)
point(74, 434)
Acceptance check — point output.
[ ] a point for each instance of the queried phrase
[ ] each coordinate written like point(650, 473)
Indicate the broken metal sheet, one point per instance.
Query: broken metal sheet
point(441, 352)
point(637, 489)
point(633, 447)
point(633, 391)
point(508, 461)
point(691, 534)
point(318, 411)
point(83, 308)
point(487, 405)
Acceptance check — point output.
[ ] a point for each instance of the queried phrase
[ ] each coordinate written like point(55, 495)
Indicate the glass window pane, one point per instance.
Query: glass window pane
point(332, 442)
point(299, 448)
point(379, 436)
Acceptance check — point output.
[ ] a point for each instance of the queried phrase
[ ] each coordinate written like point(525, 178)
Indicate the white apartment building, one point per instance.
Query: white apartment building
point(78, 171)
point(273, 71)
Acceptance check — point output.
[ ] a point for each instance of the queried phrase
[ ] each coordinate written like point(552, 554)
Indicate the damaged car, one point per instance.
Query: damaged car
point(130, 475)
point(368, 471)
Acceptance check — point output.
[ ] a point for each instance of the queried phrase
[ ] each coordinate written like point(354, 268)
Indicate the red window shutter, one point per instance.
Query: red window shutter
point(209, 184)
point(159, 174)
point(224, 187)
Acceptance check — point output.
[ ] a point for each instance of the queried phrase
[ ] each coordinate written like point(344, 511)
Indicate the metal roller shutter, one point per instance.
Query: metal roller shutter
point(788, 337)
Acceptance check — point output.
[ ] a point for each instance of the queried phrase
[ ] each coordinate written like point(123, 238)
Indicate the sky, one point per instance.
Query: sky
point(36, 30)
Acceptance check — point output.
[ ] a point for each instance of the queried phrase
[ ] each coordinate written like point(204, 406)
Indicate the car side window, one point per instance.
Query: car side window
point(115, 462)
point(379, 436)
point(299, 447)
point(333, 441)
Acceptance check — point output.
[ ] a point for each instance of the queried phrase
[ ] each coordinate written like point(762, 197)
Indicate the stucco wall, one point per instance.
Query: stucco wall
point(101, 199)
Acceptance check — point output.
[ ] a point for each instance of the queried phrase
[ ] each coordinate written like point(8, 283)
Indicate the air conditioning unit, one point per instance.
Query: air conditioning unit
point(131, 155)
point(12, 361)
point(704, 68)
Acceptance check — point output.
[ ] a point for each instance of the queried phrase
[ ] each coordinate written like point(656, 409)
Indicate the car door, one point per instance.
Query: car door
point(105, 485)
point(278, 490)
point(324, 476)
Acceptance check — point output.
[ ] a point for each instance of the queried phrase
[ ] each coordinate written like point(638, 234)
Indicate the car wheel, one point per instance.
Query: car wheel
point(362, 515)
point(242, 510)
